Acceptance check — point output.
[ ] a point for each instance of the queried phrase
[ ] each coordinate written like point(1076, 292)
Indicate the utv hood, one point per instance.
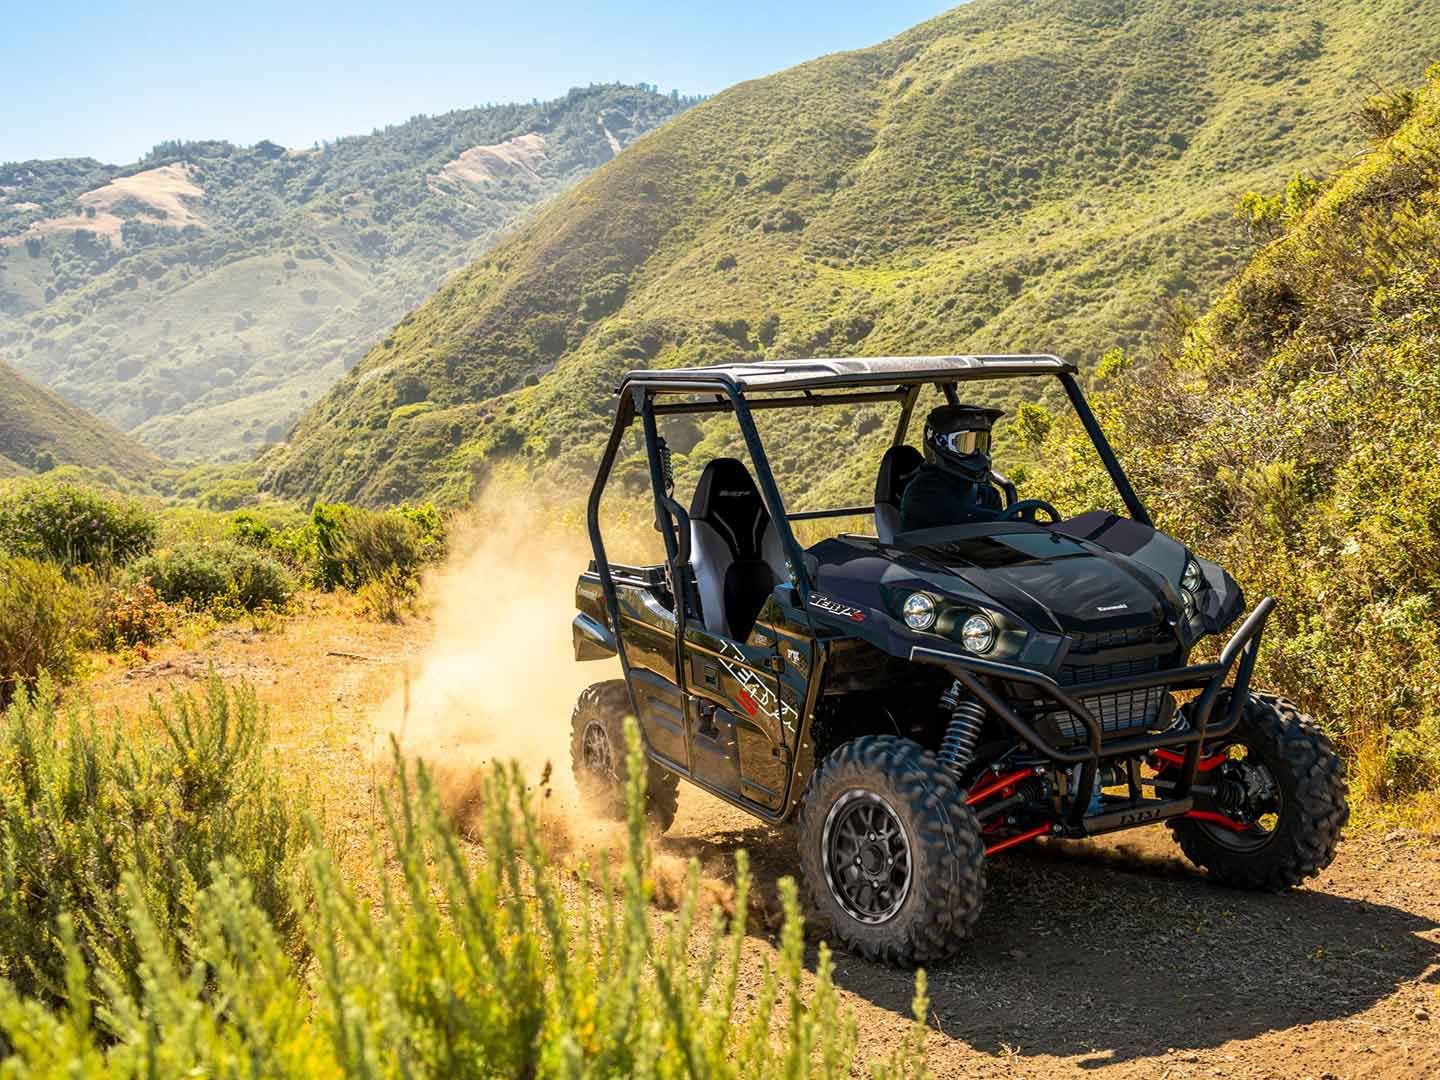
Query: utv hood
point(1091, 573)
point(1051, 581)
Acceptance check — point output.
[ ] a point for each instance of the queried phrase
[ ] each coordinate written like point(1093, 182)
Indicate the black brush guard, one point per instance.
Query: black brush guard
point(979, 676)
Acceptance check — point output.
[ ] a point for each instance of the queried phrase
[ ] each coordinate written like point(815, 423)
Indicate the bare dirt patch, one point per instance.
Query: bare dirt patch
point(1116, 958)
point(167, 195)
point(609, 137)
point(518, 157)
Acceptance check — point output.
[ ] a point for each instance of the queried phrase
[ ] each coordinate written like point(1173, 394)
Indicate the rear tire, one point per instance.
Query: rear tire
point(1309, 785)
point(875, 804)
point(599, 761)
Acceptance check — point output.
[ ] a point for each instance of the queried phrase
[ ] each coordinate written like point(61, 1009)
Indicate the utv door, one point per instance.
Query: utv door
point(741, 727)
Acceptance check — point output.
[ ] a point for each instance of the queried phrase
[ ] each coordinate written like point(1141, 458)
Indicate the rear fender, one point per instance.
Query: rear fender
point(592, 639)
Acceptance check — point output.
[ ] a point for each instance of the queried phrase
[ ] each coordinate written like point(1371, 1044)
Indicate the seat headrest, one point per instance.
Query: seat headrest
point(727, 499)
point(896, 468)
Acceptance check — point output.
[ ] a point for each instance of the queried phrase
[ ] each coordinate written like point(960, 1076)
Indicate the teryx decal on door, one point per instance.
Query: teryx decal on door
point(754, 695)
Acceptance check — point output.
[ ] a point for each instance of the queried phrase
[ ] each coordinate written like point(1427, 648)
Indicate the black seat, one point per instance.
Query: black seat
point(735, 550)
point(896, 468)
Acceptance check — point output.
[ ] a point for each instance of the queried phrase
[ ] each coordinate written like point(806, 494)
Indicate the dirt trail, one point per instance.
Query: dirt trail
point(1116, 958)
point(1113, 959)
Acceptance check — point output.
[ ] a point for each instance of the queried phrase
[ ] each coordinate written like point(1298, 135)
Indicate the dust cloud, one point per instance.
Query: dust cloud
point(499, 679)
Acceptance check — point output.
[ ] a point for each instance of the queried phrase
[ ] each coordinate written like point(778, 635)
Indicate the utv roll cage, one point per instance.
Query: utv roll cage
point(743, 388)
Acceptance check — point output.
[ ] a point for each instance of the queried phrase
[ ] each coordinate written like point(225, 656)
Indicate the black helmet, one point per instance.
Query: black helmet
point(957, 438)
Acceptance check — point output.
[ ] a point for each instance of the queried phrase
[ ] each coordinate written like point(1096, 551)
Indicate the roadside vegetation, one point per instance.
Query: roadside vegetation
point(168, 910)
point(1290, 435)
point(83, 569)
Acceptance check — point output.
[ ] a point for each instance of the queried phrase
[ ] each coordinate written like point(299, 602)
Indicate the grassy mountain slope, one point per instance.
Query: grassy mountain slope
point(1033, 174)
point(39, 430)
point(1293, 436)
point(201, 297)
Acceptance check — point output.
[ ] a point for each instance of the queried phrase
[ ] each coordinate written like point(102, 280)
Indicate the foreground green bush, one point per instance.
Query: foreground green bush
point(73, 525)
point(204, 575)
point(81, 808)
point(496, 966)
point(42, 621)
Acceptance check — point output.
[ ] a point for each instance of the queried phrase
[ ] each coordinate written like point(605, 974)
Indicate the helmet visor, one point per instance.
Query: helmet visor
point(964, 443)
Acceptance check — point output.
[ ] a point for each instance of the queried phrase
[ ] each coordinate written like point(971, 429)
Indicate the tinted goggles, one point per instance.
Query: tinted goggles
point(965, 442)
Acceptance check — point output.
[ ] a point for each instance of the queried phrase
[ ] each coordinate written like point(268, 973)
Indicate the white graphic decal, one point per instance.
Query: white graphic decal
point(755, 696)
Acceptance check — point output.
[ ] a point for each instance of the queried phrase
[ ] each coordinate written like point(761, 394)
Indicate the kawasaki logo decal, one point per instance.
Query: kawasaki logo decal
point(1113, 607)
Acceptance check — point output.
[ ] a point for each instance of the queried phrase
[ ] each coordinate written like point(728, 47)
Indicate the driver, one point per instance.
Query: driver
point(954, 485)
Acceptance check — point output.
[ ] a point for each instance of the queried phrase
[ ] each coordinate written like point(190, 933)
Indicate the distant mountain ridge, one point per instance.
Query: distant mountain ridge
point(1014, 174)
point(201, 296)
point(40, 430)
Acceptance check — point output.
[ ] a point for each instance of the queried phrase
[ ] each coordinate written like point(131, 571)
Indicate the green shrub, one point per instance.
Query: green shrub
point(73, 525)
point(390, 597)
point(229, 494)
point(251, 530)
point(41, 616)
point(355, 546)
point(207, 575)
point(284, 537)
point(496, 966)
point(80, 808)
point(1411, 760)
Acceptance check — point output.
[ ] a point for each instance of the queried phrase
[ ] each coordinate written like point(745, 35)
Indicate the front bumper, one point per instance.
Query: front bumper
point(981, 676)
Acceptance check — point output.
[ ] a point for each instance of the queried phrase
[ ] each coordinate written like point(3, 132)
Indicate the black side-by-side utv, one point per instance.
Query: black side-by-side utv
point(922, 701)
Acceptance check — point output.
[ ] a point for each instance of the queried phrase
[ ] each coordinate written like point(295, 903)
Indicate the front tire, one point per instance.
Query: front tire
point(1287, 798)
point(891, 857)
point(599, 760)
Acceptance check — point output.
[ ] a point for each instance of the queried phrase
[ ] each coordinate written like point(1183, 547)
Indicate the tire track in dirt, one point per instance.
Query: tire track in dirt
point(1117, 958)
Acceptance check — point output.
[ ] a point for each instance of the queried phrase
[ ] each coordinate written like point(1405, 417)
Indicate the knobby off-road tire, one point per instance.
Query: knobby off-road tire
point(598, 757)
point(1311, 782)
point(859, 783)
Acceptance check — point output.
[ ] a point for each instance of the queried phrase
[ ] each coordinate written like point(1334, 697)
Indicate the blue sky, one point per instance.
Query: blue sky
point(82, 79)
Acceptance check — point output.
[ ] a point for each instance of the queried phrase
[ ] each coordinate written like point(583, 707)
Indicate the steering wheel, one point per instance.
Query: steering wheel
point(1025, 509)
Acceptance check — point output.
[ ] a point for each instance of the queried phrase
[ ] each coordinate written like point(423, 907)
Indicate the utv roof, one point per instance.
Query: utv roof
point(819, 374)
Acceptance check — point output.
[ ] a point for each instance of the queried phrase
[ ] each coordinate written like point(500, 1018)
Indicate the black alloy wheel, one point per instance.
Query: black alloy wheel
point(867, 857)
point(1279, 801)
point(890, 856)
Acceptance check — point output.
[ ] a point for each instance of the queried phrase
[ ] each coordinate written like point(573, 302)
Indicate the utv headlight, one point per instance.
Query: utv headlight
point(919, 611)
point(1191, 579)
point(977, 634)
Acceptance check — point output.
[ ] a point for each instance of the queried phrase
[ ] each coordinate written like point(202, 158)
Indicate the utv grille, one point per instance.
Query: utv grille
point(1070, 676)
point(1128, 709)
point(1088, 644)
point(1118, 712)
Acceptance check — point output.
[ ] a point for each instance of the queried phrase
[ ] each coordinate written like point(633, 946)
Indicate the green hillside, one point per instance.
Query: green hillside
point(1292, 435)
point(201, 297)
point(1015, 174)
point(39, 431)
